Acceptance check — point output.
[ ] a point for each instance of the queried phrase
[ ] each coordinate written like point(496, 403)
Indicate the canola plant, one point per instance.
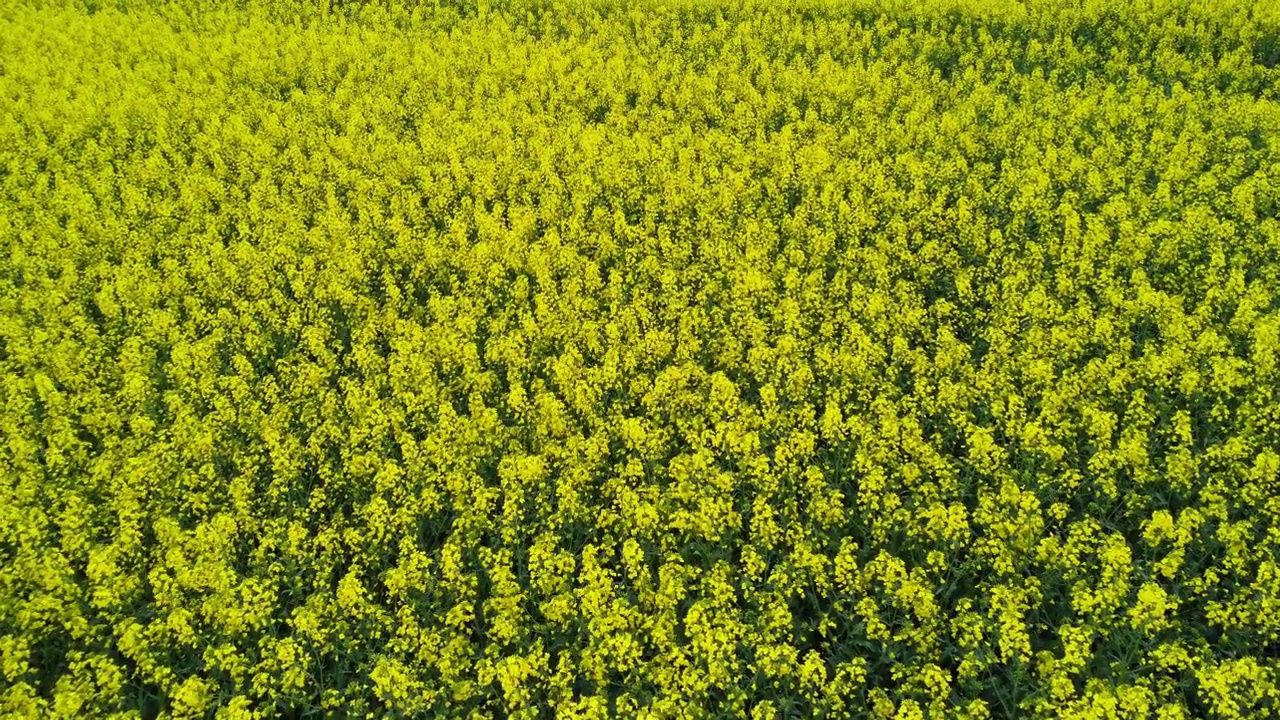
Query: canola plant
point(657, 359)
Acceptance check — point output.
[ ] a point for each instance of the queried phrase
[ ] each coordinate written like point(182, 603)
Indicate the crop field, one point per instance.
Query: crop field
point(761, 359)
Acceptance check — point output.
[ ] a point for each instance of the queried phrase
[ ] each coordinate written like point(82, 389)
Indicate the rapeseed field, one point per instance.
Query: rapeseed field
point(891, 359)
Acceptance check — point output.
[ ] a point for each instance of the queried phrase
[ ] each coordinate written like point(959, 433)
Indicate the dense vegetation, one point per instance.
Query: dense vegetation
point(658, 359)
